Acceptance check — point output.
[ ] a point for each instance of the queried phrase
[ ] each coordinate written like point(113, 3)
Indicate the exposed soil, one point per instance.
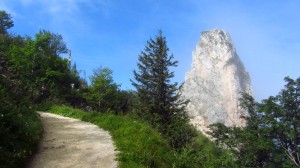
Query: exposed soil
point(71, 143)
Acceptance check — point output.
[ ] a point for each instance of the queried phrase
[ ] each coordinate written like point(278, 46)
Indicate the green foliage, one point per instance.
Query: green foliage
point(204, 153)
point(44, 74)
point(282, 121)
point(103, 91)
point(75, 96)
point(20, 131)
point(20, 128)
point(51, 73)
point(159, 101)
point(5, 22)
point(43, 106)
point(272, 133)
point(153, 80)
point(179, 133)
point(37, 63)
point(125, 102)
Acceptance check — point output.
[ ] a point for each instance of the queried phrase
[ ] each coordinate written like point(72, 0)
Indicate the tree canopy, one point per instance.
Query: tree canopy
point(103, 90)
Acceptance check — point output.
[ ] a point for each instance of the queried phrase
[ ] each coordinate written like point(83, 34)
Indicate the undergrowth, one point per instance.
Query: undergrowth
point(20, 131)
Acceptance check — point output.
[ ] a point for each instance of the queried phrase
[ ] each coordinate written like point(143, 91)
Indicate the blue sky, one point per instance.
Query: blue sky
point(111, 33)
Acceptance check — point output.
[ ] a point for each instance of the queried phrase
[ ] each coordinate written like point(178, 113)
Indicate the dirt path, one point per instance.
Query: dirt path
point(71, 143)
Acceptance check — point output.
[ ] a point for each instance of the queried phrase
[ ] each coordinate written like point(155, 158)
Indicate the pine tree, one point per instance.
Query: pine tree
point(159, 98)
point(153, 81)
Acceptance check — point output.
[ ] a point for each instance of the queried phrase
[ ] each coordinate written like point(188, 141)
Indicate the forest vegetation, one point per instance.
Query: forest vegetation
point(149, 125)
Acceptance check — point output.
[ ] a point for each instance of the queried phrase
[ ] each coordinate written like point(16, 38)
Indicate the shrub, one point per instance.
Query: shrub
point(20, 131)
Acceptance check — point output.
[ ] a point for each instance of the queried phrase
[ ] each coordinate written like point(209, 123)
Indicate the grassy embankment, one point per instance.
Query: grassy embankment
point(139, 145)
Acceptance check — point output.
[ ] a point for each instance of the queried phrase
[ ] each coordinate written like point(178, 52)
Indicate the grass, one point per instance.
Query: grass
point(138, 144)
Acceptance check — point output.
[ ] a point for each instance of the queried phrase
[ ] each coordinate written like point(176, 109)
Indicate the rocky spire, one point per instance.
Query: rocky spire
point(214, 83)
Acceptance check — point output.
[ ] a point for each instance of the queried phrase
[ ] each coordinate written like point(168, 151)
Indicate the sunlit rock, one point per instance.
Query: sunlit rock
point(215, 81)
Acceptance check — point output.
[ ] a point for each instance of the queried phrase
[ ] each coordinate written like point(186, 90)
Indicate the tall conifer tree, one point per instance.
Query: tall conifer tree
point(158, 95)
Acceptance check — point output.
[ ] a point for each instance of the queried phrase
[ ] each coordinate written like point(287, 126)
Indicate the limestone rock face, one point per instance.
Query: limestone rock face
point(214, 83)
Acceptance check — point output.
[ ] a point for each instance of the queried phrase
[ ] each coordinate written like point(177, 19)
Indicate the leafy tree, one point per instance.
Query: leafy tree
point(5, 22)
point(50, 44)
point(158, 95)
point(53, 76)
point(19, 125)
point(103, 90)
point(271, 135)
point(282, 120)
point(39, 65)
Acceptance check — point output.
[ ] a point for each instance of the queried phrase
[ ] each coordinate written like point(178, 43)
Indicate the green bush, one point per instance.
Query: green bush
point(179, 134)
point(20, 128)
point(204, 153)
point(20, 131)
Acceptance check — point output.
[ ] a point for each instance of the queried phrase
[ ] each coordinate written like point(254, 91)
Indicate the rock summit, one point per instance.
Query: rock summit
point(215, 81)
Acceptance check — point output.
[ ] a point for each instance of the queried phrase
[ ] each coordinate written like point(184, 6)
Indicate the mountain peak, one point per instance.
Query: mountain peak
point(215, 81)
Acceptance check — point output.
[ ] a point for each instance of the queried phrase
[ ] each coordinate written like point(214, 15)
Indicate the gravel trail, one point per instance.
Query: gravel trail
point(71, 143)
